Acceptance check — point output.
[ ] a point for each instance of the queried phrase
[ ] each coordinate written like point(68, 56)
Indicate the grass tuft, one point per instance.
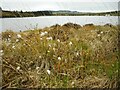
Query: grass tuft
point(65, 56)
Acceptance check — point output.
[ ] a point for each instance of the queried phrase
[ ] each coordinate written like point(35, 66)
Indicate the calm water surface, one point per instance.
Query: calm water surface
point(17, 24)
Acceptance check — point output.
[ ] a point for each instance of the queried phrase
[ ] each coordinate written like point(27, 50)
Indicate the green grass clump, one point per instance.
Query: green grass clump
point(60, 57)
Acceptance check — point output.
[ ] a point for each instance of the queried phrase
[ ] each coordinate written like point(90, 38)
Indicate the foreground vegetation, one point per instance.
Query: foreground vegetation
point(67, 56)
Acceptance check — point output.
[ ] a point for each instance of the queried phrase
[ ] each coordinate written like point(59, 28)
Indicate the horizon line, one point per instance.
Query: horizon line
point(61, 10)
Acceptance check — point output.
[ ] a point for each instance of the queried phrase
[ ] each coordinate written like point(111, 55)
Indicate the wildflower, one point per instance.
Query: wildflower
point(43, 33)
point(70, 43)
point(49, 38)
point(18, 68)
point(40, 56)
point(49, 45)
point(37, 68)
point(17, 40)
point(18, 35)
point(48, 51)
point(82, 66)
point(98, 35)
point(41, 39)
point(24, 44)
point(13, 47)
point(58, 40)
point(1, 51)
point(48, 71)
point(101, 32)
point(9, 39)
point(77, 53)
point(54, 49)
point(9, 35)
point(73, 83)
point(59, 58)
point(65, 60)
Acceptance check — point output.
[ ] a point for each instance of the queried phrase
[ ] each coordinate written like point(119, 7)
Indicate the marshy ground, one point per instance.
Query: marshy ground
point(67, 56)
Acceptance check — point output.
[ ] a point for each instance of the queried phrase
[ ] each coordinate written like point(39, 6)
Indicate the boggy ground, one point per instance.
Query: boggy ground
point(67, 56)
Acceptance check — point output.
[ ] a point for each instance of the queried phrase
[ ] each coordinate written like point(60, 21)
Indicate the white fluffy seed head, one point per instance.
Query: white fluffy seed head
point(18, 68)
point(73, 83)
point(77, 53)
point(37, 68)
point(70, 43)
point(41, 38)
point(101, 32)
point(40, 56)
point(17, 40)
point(9, 39)
point(49, 45)
point(53, 49)
point(58, 40)
point(49, 38)
point(43, 33)
point(59, 58)
point(98, 35)
point(13, 47)
point(48, 71)
point(1, 51)
point(9, 35)
point(48, 51)
point(18, 35)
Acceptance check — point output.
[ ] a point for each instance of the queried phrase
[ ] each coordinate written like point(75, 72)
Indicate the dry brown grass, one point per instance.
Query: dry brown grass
point(74, 57)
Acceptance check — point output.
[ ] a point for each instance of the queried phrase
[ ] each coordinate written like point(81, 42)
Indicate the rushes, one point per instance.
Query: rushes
point(59, 57)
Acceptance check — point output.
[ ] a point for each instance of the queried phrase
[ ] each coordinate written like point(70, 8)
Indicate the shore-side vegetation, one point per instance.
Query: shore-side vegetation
point(61, 56)
point(10, 14)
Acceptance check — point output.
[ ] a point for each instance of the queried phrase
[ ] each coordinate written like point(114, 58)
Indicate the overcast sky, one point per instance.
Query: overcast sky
point(77, 5)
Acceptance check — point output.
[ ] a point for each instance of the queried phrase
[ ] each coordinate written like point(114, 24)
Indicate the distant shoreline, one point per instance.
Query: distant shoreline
point(15, 14)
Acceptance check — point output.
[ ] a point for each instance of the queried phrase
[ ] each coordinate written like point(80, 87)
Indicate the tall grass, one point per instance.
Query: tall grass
point(61, 57)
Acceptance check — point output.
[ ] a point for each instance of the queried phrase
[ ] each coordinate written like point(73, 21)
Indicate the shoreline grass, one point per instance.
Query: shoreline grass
point(67, 56)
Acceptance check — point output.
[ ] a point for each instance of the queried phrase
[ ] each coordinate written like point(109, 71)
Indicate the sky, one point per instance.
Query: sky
point(73, 5)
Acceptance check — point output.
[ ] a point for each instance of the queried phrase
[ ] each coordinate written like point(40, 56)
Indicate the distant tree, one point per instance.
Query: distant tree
point(0, 12)
point(21, 11)
point(0, 9)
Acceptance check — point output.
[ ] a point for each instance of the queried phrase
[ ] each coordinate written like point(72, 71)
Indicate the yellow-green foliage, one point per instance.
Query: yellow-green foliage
point(60, 56)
